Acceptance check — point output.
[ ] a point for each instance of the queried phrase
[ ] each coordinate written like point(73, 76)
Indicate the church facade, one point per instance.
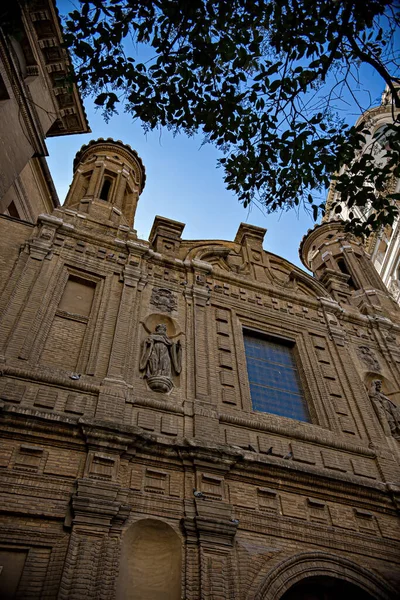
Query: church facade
point(192, 419)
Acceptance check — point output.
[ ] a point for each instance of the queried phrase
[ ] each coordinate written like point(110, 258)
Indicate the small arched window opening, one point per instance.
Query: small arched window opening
point(105, 190)
point(343, 267)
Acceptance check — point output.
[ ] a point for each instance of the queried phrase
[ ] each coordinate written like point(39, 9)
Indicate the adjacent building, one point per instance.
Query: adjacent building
point(193, 419)
point(37, 100)
point(384, 246)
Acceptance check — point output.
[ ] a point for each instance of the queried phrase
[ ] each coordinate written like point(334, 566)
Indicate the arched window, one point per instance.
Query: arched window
point(105, 190)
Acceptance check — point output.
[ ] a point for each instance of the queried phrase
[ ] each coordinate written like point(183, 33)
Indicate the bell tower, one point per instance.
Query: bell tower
point(339, 261)
point(109, 177)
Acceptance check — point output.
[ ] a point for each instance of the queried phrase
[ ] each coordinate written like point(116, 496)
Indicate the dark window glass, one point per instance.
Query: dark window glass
point(343, 267)
point(105, 190)
point(4, 95)
point(274, 380)
point(12, 210)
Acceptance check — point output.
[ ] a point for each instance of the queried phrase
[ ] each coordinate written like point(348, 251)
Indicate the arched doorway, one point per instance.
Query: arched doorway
point(310, 575)
point(151, 562)
point(325, 588)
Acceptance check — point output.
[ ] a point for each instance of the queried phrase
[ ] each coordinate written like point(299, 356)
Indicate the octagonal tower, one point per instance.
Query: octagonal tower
point(109, 177)
point(339, 261)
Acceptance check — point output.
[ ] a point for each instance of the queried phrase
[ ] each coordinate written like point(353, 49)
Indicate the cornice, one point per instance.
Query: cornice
point(192, 452)
point(71, 114)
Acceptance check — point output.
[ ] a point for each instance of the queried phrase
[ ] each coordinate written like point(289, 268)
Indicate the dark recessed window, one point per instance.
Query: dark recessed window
point(4, 95)
point(105, 190)
point(274, 380)
point(343, 267)
point(12, 210)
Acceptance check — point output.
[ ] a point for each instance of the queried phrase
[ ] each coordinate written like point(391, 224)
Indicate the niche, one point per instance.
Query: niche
point(151, 562)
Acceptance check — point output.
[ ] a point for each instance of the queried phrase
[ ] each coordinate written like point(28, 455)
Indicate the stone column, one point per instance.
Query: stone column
point(192, 553)
point(94, 188)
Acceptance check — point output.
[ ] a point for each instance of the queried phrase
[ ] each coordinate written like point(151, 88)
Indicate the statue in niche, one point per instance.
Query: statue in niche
point(387, 411)
point(158, 358)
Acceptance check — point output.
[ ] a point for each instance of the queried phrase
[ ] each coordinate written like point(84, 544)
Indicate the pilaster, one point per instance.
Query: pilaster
point(98, 512)
point(211, 528)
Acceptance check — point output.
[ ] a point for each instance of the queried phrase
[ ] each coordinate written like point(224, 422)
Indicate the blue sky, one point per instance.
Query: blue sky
point(183, 181)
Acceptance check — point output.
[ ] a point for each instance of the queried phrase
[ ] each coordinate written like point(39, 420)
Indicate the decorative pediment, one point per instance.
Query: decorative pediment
point(286, 275)
point(219, 256)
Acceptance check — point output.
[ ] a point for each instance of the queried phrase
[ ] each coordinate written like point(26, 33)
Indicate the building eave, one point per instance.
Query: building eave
point(45, 25)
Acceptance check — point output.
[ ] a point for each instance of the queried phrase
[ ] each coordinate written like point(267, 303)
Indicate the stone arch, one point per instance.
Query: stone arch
point(308, 564)
point(150, 563)
point(152, 320)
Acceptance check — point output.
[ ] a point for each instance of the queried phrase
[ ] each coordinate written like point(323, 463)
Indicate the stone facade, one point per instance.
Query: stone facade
point(133, 464)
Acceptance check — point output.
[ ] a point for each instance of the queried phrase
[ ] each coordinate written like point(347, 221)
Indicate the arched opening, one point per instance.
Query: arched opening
point(105, 190)
point(151, 562)
point(310, 575)
point(325, 588)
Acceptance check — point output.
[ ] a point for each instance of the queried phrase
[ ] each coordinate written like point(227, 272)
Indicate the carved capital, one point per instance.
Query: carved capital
point(100, 505)
point(131, 275)
point(210, 524)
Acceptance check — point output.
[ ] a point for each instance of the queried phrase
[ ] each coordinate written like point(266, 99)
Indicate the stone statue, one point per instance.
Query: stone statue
point(387, 411)
point(158, 357)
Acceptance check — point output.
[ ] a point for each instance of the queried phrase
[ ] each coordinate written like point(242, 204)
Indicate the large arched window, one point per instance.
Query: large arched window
point(321, 576)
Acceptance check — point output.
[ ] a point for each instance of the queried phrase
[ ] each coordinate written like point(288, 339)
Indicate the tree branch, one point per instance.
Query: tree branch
point(367, 58)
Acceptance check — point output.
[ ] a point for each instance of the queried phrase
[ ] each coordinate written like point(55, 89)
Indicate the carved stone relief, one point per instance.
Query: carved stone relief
point(163, 299)
point(47, 233)
point(159, 358)
point(368, 357)
point(237, 264)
